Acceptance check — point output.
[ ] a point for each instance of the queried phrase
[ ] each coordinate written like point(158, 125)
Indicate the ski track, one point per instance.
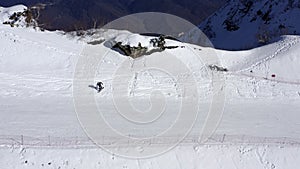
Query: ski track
point(212, 157)
point(285, 47)
point(266, 78)
point(35, 85)
point(37, 43)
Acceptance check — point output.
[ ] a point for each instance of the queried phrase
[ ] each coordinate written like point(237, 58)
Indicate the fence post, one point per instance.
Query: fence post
point(243, 139)
point(22, 140)
point(49, 141)
point(223, 138)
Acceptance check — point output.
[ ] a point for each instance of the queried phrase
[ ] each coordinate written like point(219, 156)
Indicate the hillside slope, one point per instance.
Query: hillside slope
point(70, 15)
point(247, 24)
point(43, 63)
point(40, 128)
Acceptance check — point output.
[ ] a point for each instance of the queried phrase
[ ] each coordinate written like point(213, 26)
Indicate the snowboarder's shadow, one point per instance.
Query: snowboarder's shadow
point(93, 87)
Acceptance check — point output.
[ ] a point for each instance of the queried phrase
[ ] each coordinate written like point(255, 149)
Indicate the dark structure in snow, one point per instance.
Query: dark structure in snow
point(159, 45)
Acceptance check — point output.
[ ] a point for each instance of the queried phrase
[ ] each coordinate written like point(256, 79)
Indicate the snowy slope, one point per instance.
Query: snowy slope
point(259, 127)
point(248, 24)
point(207, 157)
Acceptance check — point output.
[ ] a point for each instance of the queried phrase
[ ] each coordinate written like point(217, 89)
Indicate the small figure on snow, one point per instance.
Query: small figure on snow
point(99, 87)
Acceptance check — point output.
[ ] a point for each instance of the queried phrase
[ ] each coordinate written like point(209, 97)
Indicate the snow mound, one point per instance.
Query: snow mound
point(27, 51)
point(279, 60)
point(133, 39)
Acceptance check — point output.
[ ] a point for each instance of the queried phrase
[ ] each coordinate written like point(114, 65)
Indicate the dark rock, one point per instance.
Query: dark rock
point(133, 52)
point(217, 68)
point(138, 51)
point(96, 42)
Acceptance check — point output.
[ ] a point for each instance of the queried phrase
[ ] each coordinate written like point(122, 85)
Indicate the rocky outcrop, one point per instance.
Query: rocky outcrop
point(24, 18)
point(134, 51)
point(217, 68)
point(158, 44)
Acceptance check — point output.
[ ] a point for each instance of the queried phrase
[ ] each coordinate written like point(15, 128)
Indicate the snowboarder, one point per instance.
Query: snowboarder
point(99, 87)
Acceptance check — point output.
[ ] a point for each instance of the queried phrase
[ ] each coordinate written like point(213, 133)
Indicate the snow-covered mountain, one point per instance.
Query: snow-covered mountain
point(245, 24)
point(17, 16)
point(70, 15)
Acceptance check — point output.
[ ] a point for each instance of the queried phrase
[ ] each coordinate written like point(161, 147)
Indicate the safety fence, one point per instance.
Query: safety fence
point(84, 142)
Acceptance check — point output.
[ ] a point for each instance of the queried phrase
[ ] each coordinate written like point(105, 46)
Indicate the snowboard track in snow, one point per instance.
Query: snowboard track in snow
point(296, 82)
point(281, 49)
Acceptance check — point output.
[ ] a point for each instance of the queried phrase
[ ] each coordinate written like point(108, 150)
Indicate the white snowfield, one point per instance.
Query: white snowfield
point(260, 126)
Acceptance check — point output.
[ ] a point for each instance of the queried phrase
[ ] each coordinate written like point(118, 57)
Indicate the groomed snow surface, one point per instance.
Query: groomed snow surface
point(39, 128)
point(208, 156)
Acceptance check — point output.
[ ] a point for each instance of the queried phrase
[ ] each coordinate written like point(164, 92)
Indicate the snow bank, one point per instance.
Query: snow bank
point(26, 51)
point(199, 157)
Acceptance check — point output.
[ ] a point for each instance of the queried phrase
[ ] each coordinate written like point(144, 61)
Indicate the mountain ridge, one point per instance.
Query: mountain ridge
point(70, 15)
point(246, 24)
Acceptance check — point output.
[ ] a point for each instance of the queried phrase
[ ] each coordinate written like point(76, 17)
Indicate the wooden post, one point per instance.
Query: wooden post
point(22, 140)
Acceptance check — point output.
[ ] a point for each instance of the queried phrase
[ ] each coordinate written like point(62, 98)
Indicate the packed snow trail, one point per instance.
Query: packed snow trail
point(45, 70)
